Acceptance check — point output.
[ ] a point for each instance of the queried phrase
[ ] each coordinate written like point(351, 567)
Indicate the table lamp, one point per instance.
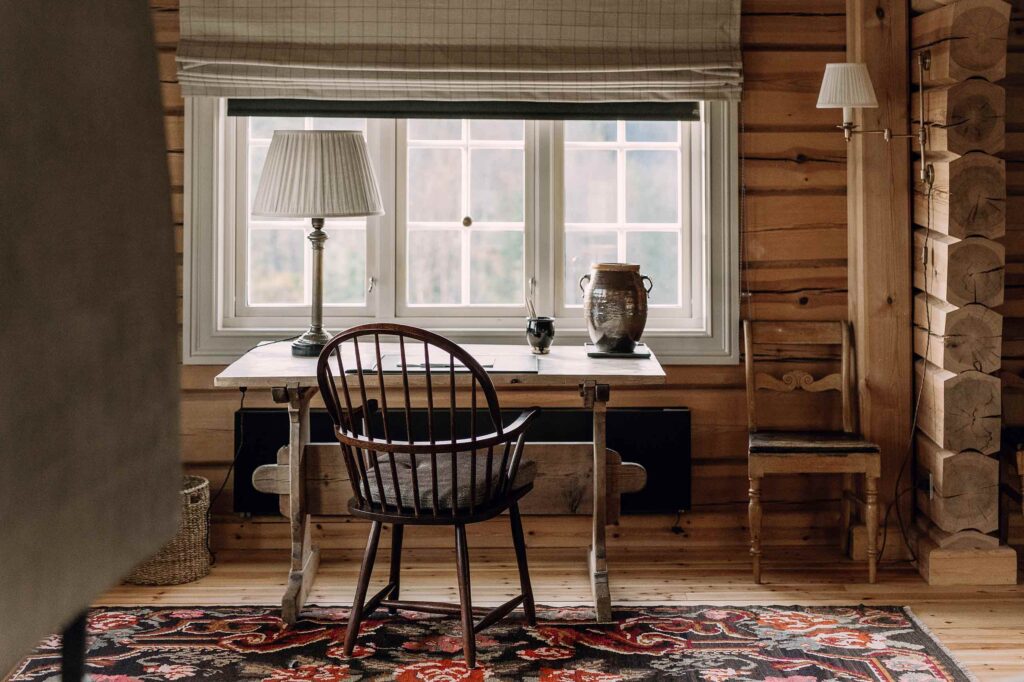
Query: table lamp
point(317, 174)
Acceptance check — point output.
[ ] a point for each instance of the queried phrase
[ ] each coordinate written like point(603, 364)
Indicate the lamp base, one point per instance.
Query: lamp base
point(311, 343)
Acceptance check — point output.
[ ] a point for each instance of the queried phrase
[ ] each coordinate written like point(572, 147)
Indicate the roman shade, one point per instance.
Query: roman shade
point(583, 52)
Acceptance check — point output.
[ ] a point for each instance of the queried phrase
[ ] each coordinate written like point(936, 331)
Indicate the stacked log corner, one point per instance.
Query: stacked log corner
point(960, 282)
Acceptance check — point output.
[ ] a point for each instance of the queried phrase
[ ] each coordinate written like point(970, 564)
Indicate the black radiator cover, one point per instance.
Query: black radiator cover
point(656, 438)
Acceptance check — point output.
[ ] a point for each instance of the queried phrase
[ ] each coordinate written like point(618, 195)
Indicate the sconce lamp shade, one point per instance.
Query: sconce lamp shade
point(317, 174)
point(846, 86)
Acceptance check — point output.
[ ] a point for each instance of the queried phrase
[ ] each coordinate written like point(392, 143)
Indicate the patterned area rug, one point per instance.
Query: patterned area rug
point(700, 643)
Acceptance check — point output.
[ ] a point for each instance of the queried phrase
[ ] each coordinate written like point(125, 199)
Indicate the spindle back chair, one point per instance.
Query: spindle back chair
point(843, 452)
point(453, 474)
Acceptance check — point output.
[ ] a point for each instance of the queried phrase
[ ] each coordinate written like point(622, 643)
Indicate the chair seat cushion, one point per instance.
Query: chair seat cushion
point(807, 442)
point(446, 492)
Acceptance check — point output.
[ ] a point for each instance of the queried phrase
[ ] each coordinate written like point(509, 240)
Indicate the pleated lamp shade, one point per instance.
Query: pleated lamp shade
point(846, 86)
point(317, 174)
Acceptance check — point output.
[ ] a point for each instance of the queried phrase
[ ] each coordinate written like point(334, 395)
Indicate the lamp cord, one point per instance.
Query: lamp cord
point(238, 453)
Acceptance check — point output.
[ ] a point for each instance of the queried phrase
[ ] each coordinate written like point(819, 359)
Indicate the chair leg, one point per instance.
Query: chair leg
point(524, 572)
point(462, 559)
point(356, 615)
point(845, 513)
point(871, 521)
point(755, 526)
point(395, 576)
point(72, 649)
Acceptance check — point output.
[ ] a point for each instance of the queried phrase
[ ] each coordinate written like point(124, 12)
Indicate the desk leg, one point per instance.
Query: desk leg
point(305, 558)
point(595, 397)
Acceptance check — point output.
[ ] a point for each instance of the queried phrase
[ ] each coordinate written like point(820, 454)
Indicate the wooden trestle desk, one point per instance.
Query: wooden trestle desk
point(315, 482)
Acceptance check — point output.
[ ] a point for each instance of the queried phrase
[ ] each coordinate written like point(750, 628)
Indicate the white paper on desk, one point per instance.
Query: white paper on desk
point(526, 364)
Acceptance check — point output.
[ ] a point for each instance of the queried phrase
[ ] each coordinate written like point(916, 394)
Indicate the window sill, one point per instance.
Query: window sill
point(672, 347)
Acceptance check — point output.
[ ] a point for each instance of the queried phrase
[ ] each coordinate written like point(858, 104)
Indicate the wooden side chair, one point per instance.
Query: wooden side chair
point(809, 452)
point(458, 475)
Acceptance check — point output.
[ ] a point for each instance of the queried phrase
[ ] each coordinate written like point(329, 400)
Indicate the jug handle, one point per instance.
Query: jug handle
point(583, 290)
point(650, 283)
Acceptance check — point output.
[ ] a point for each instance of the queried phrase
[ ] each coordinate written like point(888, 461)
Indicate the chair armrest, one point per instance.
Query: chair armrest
point(511, 432)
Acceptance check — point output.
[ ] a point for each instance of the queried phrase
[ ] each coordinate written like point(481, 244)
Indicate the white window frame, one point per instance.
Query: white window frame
point(495, 317)
point(688, 313)
point(214, 332)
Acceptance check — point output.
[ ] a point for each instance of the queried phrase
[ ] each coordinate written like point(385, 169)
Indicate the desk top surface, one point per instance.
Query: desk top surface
point(273, 365)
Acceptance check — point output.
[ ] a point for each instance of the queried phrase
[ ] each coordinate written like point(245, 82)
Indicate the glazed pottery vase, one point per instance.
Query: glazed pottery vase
point(615, 305)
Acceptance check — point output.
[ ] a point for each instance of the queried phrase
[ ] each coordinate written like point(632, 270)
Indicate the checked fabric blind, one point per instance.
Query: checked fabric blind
point(586, 52)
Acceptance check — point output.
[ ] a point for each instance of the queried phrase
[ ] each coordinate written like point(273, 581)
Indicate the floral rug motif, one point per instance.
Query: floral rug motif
point(699, 643)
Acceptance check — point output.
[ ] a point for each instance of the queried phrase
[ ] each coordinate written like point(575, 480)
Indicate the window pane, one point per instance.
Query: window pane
point(590, 131)
point(435, 129)
point(652, 186)
point(276, 266)
point(332, 123)
point(434, 267)
point(652, 131)
point(590, 186)
point(257, 157)
point(583, 249)
point(435, 184)
point(263, 127)
point(657, 255)
point(496, 130)
point(345, 263)
point(496, 185)
point(496, 267)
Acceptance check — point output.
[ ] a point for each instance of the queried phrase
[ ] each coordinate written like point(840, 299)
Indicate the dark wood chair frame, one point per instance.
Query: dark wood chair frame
point(804, 459)
point(371, 457)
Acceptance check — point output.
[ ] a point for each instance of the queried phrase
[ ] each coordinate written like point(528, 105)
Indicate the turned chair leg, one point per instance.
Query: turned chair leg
point(524, 572)
point(462, 559)
point(395, 576)
point(871, 521)
point(356, 615)
point(846, 507)
point(755, 526)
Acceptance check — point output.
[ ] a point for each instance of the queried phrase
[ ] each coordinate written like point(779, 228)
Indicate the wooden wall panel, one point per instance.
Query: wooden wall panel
point(794, 268)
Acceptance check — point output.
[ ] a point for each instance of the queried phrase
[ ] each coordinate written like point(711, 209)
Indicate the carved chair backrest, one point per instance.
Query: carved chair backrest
point(789, 333)
point(371, 375)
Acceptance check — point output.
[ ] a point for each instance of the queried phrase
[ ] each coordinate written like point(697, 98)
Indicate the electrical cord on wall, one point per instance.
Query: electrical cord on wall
point(238, 452)
point(897, 493)
point(227, 476)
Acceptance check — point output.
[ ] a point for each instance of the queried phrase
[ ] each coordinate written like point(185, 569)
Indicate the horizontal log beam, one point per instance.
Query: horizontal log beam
point(967, 197)
point(959, 271)
point(964, 117)
point(965, 39)
point(959, 411)
point(957, 338)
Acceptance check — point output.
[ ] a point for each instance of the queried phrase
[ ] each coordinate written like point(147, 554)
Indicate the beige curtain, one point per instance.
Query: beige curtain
point(575, 51)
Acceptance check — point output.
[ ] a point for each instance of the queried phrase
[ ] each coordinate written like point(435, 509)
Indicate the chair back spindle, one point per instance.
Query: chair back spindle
point(396, 468)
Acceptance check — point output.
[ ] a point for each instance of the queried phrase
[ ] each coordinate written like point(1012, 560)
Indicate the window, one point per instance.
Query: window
point(463, 222)
point(480, 216)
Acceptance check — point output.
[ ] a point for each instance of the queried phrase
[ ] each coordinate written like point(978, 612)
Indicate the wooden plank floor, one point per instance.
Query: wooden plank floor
point(983, 626)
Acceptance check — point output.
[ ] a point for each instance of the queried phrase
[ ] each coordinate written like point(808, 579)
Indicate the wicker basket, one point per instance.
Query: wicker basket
point(186, 557)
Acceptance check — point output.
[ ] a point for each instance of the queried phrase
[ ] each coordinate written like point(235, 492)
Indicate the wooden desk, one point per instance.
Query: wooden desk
point(293, 381)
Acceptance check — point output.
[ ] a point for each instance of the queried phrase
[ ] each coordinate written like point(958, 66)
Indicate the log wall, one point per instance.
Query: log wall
point(794, 265)
point(960, 273)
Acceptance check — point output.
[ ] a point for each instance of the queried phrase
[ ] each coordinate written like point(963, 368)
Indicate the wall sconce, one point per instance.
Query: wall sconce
point(848, 86)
